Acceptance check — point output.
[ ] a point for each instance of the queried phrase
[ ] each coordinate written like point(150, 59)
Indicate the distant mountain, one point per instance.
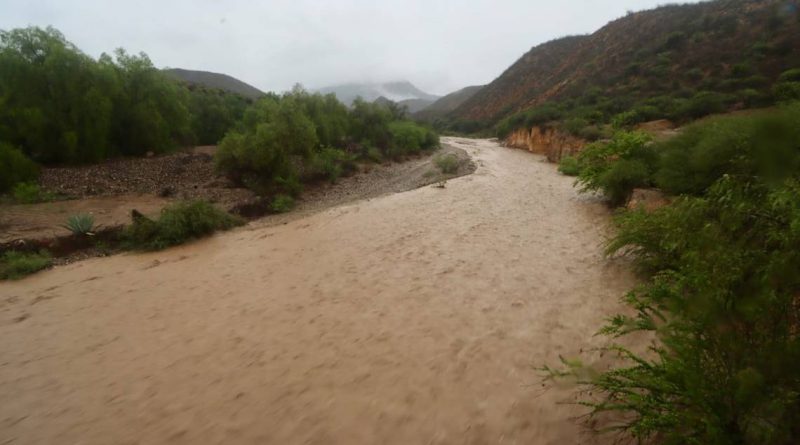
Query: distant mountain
point(412, 105)
point(416, 105)
point(394, 91)
point(215, 80)
point(446, 103)
point(728, 46)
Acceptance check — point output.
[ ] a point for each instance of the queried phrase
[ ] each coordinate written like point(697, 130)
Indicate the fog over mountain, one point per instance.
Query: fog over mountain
point(440, 46)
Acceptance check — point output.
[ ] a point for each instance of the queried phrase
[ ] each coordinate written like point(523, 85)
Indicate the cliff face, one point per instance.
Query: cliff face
point(545, 141)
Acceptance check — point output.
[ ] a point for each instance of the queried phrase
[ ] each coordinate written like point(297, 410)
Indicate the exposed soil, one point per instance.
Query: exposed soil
point(413, 318)
point(111, 190)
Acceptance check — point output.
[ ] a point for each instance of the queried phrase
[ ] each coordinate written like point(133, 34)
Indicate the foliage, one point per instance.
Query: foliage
point(15, 167)
point(786, 91)
point(448, 163)
point(721, 298)
point(569, 166)
point(59, 105)
point(282, 203)
point(178, 223)
point(15, 265)
point(331, 163)
point(30, 193)
point(763, 144)
point(80, 224)
point(618, 166)
point(283, 140)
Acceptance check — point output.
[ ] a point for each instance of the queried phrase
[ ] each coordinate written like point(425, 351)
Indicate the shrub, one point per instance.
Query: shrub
point(80, 224)
point(792, 75)
point(569, 166)
point(372, 154)
point(409, 137)
point(702, 104)
point(618, 166)
point(786, 91)
point(760, 144)
point(15, 167)
point(332, 163)
point(448, 163)
point(282, 203)
point(575, 125)
point(15, 265)
point(178, 223)
point(262, 152)
point(721, 295)
point(30, 193)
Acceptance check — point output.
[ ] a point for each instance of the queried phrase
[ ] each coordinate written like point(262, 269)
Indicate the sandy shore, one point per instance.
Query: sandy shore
point(413, 318)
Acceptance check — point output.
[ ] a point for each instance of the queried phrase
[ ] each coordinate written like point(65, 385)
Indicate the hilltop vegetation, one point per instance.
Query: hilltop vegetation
point(678, 62)
point(215, 81)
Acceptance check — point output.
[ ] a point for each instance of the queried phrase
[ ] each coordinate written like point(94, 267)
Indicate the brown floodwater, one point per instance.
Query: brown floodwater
point(413, 318)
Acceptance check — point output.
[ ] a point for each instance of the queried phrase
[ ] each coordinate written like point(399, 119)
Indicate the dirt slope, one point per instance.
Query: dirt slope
point(410, 318)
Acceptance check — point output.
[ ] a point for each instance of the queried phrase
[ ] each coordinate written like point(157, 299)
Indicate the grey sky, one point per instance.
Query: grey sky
point(438, 45)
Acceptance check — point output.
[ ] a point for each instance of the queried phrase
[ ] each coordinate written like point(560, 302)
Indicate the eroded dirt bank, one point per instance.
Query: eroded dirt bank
point(411, 318)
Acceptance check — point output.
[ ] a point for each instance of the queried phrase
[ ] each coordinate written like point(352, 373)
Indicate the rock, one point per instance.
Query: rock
point(648, 199)
point(546, 141)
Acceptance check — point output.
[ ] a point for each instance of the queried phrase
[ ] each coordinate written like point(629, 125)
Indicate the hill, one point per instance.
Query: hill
point(446, 104)
point(726, 46)
point(215, 80)
point(394, 91)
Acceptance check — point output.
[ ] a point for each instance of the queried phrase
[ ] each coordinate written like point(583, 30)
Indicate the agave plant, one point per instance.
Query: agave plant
point(80, 224)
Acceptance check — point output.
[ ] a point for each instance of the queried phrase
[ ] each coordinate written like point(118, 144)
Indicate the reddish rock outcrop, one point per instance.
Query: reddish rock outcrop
point(545, 141)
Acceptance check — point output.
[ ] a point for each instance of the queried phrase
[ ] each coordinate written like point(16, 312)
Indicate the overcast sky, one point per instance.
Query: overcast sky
point(438, 45)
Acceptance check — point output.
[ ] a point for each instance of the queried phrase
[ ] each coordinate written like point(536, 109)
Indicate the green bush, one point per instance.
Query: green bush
point(15, 168)
point(786, 91)
point(792, 75)
point(331, 163)
point(80, 224)
point(618, 166)
point(410, 137)
point(448, 164)
point(282, 203)
point(569, 166)
point(258, 155)
point(178, 223)
point(762, 144)
point(702, 104)
point(15, 265)
point(30, 193)
point(721, 295)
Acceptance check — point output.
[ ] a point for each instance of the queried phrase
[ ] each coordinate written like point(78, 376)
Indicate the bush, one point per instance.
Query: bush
point(80, 224)
point(575, 125)
point(179, 223)
point(569, 166)
point(760, 144)
point(702, 104)
point(786, 91)
point(332, 163)
point(282, 204)
point(792, 75)
point(618, 166)
point(15, 168)
point(409, 137)
point(448, 163)
point(721, 295)
point(15, 265)
point(30, 193)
